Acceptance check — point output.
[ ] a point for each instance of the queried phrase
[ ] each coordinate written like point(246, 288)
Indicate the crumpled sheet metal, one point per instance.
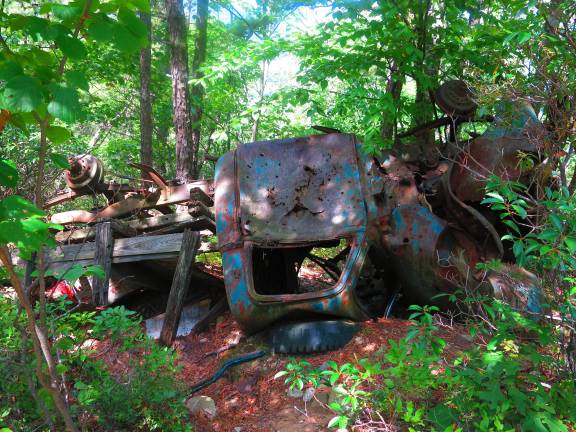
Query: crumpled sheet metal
point(254, 313)
point(289, 193)
point(497, 152)
point(424, 247)
point(297, 189)
point(517, 287)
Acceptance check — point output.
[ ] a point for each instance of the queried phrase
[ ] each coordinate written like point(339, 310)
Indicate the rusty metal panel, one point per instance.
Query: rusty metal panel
point(424, 247)
point(226, 201)
point(497, 152)
point(255, 312)
point(295, 190)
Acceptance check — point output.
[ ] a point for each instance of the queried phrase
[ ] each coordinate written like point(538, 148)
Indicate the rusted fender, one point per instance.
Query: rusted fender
point(498, 152)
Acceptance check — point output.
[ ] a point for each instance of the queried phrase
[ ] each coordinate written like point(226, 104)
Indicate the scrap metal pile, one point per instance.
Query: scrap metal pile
point(406, 225)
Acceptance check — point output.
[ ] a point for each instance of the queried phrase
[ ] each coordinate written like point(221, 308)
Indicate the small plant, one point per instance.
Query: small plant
point(147, 395)
point(496, 386)
point(116, 323)
point(363, 385)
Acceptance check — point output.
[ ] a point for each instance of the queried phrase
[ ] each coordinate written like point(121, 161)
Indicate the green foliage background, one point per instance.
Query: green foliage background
point(69, 84)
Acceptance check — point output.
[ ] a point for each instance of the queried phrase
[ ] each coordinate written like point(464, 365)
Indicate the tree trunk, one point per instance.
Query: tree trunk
point(394, 89)
point(146, 125)
point(261, 90)
point(197, 95)
point(429, 67)
point(177, 30)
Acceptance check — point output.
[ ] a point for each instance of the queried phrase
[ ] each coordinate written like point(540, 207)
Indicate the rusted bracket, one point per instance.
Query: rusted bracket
point(197, 191)
point(108, 189)
point(154, 175)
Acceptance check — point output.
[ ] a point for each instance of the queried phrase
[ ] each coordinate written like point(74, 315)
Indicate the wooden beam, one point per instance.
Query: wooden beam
point(103, 257)
point(197, 194)
point(180, 283)
point(140, 248)
point(197, 224)
point(89, 233)
point(132, 227)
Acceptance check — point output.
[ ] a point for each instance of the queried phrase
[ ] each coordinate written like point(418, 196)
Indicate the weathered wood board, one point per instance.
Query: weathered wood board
point(103, 257)
point(131, 228)
point(124, 250)
point(180, 283)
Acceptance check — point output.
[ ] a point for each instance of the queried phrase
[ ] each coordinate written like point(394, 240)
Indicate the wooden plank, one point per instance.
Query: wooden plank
point(132, 227)
point(159, 221)
point(180, 284)
point(103, 257)
point(197, 224)
point(142, 245)
point(148, 248)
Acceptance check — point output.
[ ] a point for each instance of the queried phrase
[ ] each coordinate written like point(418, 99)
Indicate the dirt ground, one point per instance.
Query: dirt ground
point(248, 399)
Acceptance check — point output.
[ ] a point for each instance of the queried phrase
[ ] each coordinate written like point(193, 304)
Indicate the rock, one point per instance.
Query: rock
point(237, 429)
point(202, 404)
point(308, 394)
point(294, 392)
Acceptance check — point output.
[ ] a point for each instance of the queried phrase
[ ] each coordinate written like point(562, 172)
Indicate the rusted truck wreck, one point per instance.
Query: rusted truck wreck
point(407, 224)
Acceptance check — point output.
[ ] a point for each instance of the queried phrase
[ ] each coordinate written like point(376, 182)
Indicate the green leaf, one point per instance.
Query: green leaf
point(59, 160)
point(124, 40)
point(64, 104)
point(22, 94)
point(8, 173)
point(143, 5)
point(334, 421)
point(71, 46)
point(66, 12)
point(570, 244)
point(37, 27)
point(508, 38)
point(101, 30)
point(556, 221)
point(77, 79)
point(132, 22)
point(523, 37)
point(17, 207)
point(10, 69)
point(58, 135)
point(73, 273)
point(443, 416)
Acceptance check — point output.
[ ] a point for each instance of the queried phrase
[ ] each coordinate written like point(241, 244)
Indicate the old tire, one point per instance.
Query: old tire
point(311, 337)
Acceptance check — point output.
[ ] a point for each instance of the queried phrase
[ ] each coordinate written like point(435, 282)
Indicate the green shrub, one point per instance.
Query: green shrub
point(521, 373)
point(507, 383)
point(147, 396)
